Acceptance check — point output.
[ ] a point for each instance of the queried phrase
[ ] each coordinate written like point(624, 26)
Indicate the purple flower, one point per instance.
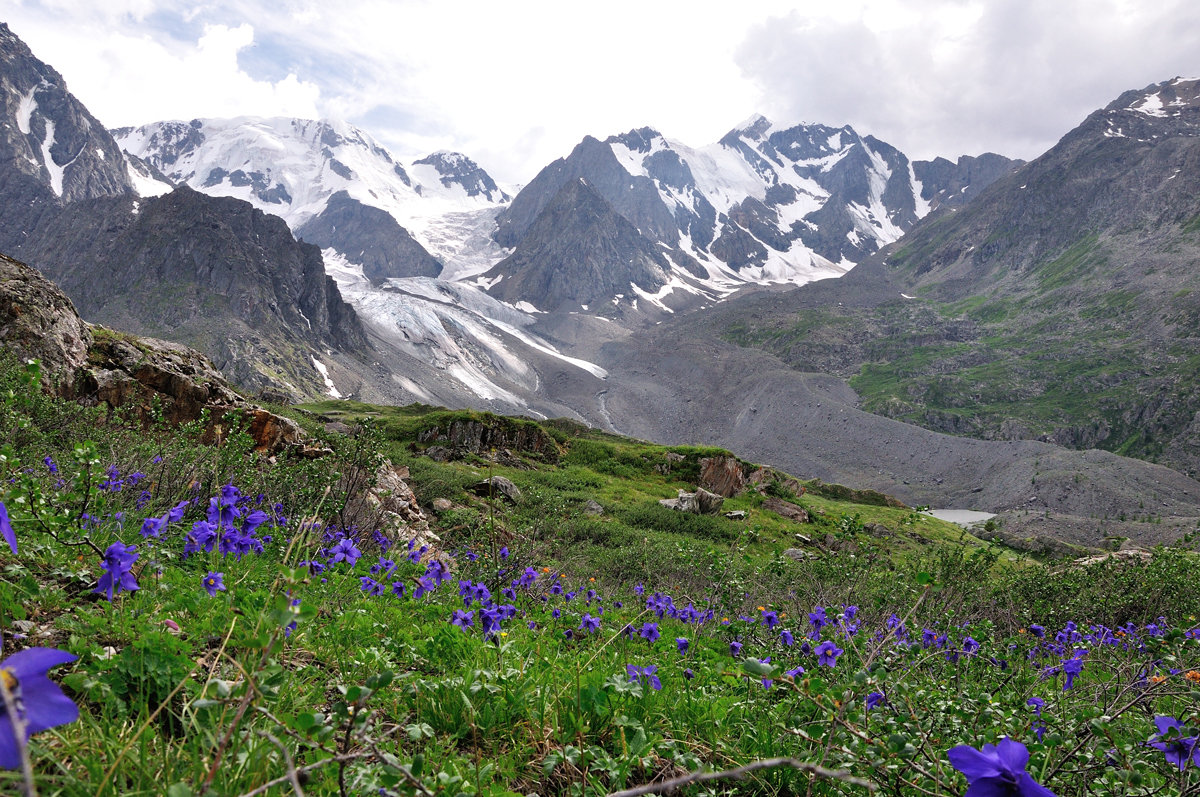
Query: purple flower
point(997, 770)
point(40, 702)
point(214, 583)
point(785, 636)
point(463, 619)
point(770, 618)
point(792, 673)
point(681, 644)
point(6, 529)
point(735, 648)
point(1177, 747)
point(344, 551)
point(371, 586)
point(175, 514)
point(118, 561)
point(1072, 667)
point(827, 653)
point(970, 646)
point(588, 623)
point(645, 675)
point(649, 632)
point(153, 526)
point(50, 465)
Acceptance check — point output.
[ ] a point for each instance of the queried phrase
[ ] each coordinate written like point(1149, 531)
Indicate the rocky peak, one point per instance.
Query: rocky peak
point(579, 251)
point(454, 168)
point(48, 135)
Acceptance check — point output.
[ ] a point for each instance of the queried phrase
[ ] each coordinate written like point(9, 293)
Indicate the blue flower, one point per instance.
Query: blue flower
point(588, 623)
point(118, 561)
point(645, 675)
point(40, 703)
point(649, 632)
point(214, 583)
point(344, 551)
point(874, 699)
point(681, 644)
point(1177, 747)
point(6, 529)
point(735, 648)
point(463, 619)
point(827, 653)
point(997, 770)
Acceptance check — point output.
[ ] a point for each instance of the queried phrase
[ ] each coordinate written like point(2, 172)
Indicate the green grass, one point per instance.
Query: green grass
point(291, 670)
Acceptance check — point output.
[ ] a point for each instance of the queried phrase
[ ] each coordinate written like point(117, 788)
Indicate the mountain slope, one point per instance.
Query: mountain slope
point(764, 204)
point(322, 175)
point(1061, 304)
point(210, 272)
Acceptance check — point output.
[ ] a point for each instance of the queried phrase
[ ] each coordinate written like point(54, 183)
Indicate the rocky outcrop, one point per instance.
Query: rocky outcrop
point(725, 476)
point(97, 366)
point(481, 436)
point(37, 321)
point(701, 502)
point(498, 487)
point(389, 506)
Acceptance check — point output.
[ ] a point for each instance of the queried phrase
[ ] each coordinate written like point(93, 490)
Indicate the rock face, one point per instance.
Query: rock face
point(724, 476)
point(578, 251)
point(51, 137)
point(37, 321)
point(386, 249)
point(463, 436)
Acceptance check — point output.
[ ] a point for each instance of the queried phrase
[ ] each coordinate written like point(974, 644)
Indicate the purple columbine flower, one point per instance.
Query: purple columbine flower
point(6, 529)
point(118, 561)
point(214, 583)
point(1177, 747)
point(997, 769)
point(827, 654)
point(40, 703)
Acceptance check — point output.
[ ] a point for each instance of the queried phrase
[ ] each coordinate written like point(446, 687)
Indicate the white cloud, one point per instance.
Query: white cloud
point(126, 77)
point(964, 76)
point(515, 85)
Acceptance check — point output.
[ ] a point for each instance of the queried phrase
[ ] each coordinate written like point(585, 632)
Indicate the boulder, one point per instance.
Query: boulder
point(786, 509)
point(701, 502)
point(498, 486)
point(592, 507)
point(722, 475)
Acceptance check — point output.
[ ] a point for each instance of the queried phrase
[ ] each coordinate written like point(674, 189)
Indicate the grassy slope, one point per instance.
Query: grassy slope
point(388, 686)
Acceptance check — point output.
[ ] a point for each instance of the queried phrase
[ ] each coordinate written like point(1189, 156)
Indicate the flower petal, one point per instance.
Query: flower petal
point(1012, 754)
point(989, 787)
point(974, 763)
point(45, 704)
point(35, 661)
point(10, 753)
point(1028, 787)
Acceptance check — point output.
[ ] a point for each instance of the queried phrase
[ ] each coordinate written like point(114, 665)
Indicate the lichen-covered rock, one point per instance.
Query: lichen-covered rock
point(38, 321)
point(701, 502)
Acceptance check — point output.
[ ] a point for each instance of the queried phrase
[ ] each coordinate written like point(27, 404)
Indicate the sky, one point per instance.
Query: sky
point(516, 84)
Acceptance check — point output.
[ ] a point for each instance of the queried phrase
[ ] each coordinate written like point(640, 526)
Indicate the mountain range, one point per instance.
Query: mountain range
point(946, 331)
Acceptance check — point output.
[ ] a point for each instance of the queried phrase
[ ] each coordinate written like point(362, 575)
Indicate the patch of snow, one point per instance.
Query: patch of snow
point(144, 184)
point(1150, 106)
point(56, 171)
point(324, 372)
point(25, 109)
point(584, 306)
point(834, 141)
point(920, 204)
point(906, 296)
point(99, 153)
point(526, 307)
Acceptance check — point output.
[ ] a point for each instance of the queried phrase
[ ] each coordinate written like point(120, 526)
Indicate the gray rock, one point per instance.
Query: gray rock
point(499, 487)
point(37, 321)
point(701, 502)
point(592, 507)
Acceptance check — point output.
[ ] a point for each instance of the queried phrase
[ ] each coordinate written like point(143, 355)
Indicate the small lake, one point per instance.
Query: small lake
point(963, 517)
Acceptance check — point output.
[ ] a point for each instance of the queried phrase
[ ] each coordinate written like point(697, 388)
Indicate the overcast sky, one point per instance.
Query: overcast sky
point(515, 84)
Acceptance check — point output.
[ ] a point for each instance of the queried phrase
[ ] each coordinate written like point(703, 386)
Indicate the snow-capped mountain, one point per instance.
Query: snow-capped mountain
point(301, 169)
point(763, 204)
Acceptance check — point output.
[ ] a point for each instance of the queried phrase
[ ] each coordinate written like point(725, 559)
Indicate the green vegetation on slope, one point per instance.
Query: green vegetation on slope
point(297, 646)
